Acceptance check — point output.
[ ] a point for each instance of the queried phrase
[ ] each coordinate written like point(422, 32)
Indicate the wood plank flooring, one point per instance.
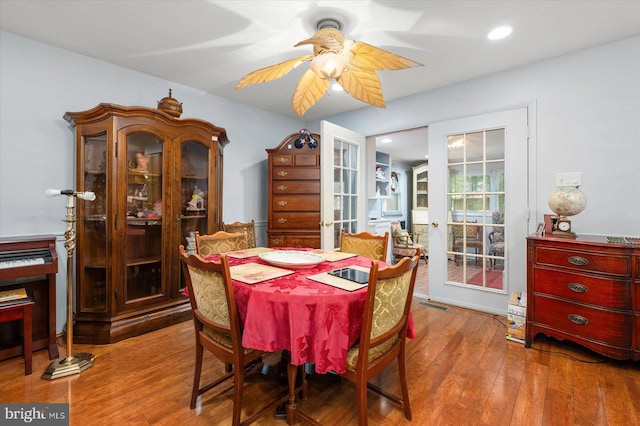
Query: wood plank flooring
point(461, 371)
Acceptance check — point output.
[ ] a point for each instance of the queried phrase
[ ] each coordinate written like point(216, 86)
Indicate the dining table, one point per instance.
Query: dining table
point(315, 317)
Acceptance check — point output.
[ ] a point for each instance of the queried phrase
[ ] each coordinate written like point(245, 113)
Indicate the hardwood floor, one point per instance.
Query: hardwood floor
point(461, 371)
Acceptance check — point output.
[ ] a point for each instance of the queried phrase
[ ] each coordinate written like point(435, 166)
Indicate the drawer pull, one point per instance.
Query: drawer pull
point(282, 203)
point(282, 220)
point(578, 261)
point(282, 160)
point(282, 174)
point(281, 187)
point(577, 319)
point(578, 288)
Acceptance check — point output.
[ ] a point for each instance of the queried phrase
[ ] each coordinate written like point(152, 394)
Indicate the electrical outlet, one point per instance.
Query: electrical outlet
point(568, 179)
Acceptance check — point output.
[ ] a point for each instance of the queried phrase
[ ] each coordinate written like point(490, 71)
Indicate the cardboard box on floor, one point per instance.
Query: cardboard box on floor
point(517, 316)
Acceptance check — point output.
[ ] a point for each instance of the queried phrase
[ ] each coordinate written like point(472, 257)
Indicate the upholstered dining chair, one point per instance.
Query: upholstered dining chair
point(384, 332)
point(405, 243)
point(365, 244)
point(220, 242)
point(472, 236)
point(236, 227)
point(217, 329)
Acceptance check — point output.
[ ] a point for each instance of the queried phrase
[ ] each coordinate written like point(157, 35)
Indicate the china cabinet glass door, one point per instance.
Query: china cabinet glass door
point(143, 234)
point(421, 188)
point(93, 256)
point(194, 194)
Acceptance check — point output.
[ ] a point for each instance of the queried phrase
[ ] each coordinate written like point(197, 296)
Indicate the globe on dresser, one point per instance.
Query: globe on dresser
point(566, 201)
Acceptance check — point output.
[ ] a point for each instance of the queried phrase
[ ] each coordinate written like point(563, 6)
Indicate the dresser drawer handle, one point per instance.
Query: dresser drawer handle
point(282, 220)
point(281, 187)
point(282, 159)
point(578, 261)
point(577, 319)
point(282, 203)
point(578, 288)
point(277, 241)
point(283, 174)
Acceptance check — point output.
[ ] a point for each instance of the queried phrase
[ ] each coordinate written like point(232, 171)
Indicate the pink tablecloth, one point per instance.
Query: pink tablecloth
point(316, 322)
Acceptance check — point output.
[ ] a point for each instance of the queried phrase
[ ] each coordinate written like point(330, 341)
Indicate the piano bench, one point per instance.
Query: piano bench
point(21, 311)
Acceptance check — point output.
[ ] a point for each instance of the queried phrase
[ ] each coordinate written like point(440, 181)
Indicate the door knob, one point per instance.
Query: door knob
point(434, 223)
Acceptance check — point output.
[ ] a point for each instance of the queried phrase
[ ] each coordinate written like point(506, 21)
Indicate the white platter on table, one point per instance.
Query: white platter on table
point(292, 259)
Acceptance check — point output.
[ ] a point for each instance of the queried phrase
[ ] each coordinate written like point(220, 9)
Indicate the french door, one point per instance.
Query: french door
point(478, 204)
point(342, 183)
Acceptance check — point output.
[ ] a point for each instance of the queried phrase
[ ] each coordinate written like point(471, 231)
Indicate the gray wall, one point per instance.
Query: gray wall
point(39, 83)
point(587, 119)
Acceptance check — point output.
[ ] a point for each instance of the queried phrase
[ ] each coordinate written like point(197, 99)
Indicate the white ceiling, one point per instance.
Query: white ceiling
point(210, 45)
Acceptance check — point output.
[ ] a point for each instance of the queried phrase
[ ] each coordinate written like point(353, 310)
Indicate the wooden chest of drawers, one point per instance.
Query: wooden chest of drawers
point(587, 291)
point(294, 195)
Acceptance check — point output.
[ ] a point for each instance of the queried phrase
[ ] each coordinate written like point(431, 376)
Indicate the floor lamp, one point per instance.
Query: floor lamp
point(72, 363)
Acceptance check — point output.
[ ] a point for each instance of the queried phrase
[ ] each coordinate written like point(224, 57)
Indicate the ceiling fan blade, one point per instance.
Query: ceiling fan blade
point(325, 39)
point(363, 84)
point(310, 88)
point(272, 72)
point(367, 56)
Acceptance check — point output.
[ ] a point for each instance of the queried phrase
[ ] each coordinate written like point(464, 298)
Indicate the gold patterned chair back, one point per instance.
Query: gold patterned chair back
point(384, 332)
point(387, 308)
point(236, 227)
point(217, 329)
point(220, 242)
point(365, 244)
point(210, 299)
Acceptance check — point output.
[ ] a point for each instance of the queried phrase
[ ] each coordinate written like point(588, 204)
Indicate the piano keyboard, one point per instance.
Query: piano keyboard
point(20, 258)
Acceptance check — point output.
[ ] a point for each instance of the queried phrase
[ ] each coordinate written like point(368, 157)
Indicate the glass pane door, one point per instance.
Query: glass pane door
point(476, 201)
point(345, 196)
point(342, 184)
point(478, 195)
point(143, 235)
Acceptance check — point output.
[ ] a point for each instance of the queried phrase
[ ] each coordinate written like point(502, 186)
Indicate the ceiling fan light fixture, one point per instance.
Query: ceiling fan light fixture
point(329, 65)
point(353, 64)
point(329, 23)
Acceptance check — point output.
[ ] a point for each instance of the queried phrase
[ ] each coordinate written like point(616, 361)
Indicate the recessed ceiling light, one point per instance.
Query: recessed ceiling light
point(386, 140)
point(499, 33)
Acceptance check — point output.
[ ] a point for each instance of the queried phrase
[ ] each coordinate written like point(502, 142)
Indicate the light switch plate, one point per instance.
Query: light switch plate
point(568, 179)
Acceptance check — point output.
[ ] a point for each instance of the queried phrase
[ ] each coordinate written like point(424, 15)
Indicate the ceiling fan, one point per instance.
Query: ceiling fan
point(352, 64)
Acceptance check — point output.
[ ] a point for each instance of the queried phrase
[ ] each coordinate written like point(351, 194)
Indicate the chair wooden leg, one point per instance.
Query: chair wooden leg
point(402, 372)
point(238, 383)
point(361, 399)
point(196, 375)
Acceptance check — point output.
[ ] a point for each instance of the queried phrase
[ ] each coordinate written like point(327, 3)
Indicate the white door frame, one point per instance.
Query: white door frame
point(328, 134)
point(520, 224)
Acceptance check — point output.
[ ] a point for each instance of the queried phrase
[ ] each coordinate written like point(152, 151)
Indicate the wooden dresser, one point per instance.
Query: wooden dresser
point(294, 194)
point(585, 290)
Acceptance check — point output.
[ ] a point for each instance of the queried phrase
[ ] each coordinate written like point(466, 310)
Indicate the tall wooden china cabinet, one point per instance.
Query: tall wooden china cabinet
point(157, 178)
point(294, 194)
